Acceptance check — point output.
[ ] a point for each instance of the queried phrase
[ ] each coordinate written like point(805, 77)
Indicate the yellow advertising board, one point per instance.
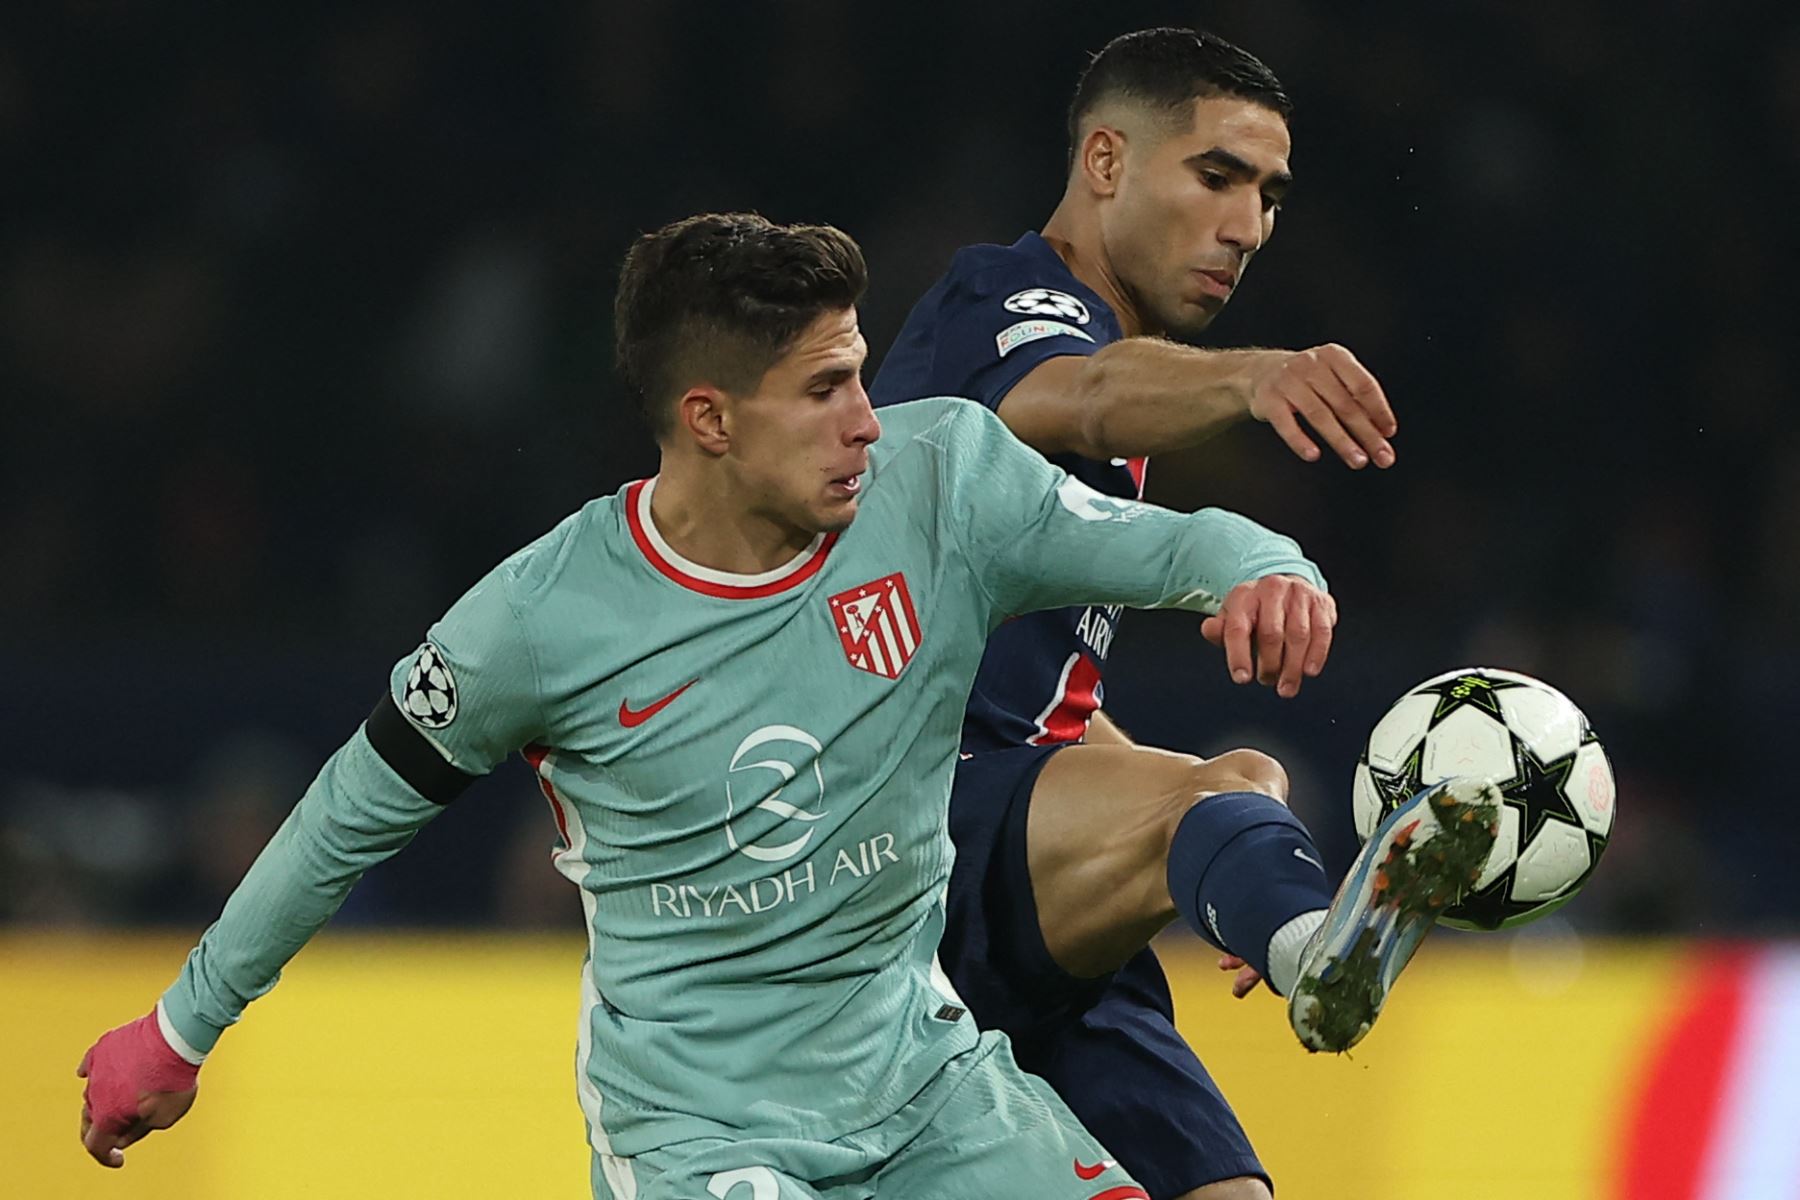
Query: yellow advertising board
point(385, 1066)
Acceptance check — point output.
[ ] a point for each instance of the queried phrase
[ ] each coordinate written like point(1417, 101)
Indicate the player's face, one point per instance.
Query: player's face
point(800, 443)
point(1189, 214)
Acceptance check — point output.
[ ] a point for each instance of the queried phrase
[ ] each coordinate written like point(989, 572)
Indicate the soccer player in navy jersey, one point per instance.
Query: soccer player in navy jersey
point(1076, 846)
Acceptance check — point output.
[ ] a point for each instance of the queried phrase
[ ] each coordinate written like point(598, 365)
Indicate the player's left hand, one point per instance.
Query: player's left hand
point(1277, 628)
point(1327, 388)
point(1246, 979)
point(136, 1084)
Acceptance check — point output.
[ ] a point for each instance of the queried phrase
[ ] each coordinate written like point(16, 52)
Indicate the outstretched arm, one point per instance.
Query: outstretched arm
point(454, 709)
point(359, 811)
point(1036, 537)
point(142, 1076)
point(1143, 396)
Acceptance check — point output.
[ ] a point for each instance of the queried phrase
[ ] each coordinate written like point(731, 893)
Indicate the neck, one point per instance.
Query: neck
point(1073, 231)
point(705, 519)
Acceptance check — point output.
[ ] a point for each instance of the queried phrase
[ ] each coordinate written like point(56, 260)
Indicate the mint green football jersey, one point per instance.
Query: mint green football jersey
point(750, 775)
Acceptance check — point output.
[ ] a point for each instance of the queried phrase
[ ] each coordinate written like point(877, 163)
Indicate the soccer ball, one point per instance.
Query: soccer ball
point(1537, 746)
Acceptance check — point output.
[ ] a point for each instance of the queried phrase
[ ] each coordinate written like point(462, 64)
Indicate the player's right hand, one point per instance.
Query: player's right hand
point(136, 1084)
point(1332, 392)
point(1277, 628)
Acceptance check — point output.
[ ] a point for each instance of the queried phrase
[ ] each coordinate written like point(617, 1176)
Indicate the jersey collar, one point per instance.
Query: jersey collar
point(725, 585)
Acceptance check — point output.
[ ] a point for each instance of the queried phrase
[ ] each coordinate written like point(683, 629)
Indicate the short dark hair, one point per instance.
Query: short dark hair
point(718, 298)
point(1169, 69)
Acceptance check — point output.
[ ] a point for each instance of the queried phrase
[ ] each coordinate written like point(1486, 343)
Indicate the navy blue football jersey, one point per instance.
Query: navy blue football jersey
point(998, 312)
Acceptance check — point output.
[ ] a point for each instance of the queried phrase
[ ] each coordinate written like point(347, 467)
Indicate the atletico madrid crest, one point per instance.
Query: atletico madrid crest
point(877, 625)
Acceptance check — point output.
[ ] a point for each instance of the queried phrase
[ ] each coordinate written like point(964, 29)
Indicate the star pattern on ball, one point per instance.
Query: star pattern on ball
point(1545, 781)
point(1488, 907)
point(1546, 795)
point(1397, 787)
point(1474, 691)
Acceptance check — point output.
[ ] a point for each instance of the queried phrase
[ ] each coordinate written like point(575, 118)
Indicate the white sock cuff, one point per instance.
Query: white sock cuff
point(1285, 946)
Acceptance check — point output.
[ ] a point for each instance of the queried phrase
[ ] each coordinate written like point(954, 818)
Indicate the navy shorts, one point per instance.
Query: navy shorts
point(1108, 1046)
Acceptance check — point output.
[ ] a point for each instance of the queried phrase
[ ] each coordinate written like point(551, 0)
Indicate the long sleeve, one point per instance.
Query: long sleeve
point(455, 707)
point(1038, 538)
point(356, 813)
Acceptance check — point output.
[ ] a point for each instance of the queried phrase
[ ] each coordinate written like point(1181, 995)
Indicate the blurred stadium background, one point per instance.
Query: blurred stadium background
point(304, 322)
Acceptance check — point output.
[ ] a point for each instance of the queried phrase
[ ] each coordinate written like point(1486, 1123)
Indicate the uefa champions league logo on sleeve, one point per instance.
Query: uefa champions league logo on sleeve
point(429, 697)
point(1047, 302)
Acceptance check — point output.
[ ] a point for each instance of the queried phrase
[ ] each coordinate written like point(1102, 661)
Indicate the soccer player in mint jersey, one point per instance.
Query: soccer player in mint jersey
point(1074, 846)
point(740, 684)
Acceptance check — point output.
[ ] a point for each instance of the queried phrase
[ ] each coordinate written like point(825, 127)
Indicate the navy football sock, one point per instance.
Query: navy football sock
point(1241, 867)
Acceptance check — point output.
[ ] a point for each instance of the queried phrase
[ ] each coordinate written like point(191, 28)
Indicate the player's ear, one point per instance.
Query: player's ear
point(1102, 159)
point(701, 412)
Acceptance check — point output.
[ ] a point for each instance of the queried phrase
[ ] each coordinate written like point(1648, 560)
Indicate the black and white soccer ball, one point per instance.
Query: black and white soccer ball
point(1553, 775)
point(429, 697)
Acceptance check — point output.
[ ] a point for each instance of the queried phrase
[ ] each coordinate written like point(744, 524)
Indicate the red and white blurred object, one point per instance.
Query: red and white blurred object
point(1717, 1113)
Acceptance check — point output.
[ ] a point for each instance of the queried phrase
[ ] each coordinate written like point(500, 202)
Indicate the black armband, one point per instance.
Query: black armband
point(414, 759)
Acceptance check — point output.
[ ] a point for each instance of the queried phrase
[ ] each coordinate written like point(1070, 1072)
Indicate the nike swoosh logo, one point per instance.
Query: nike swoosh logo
point(631, 717)
point(1086, 1174)
point(1298, 852)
